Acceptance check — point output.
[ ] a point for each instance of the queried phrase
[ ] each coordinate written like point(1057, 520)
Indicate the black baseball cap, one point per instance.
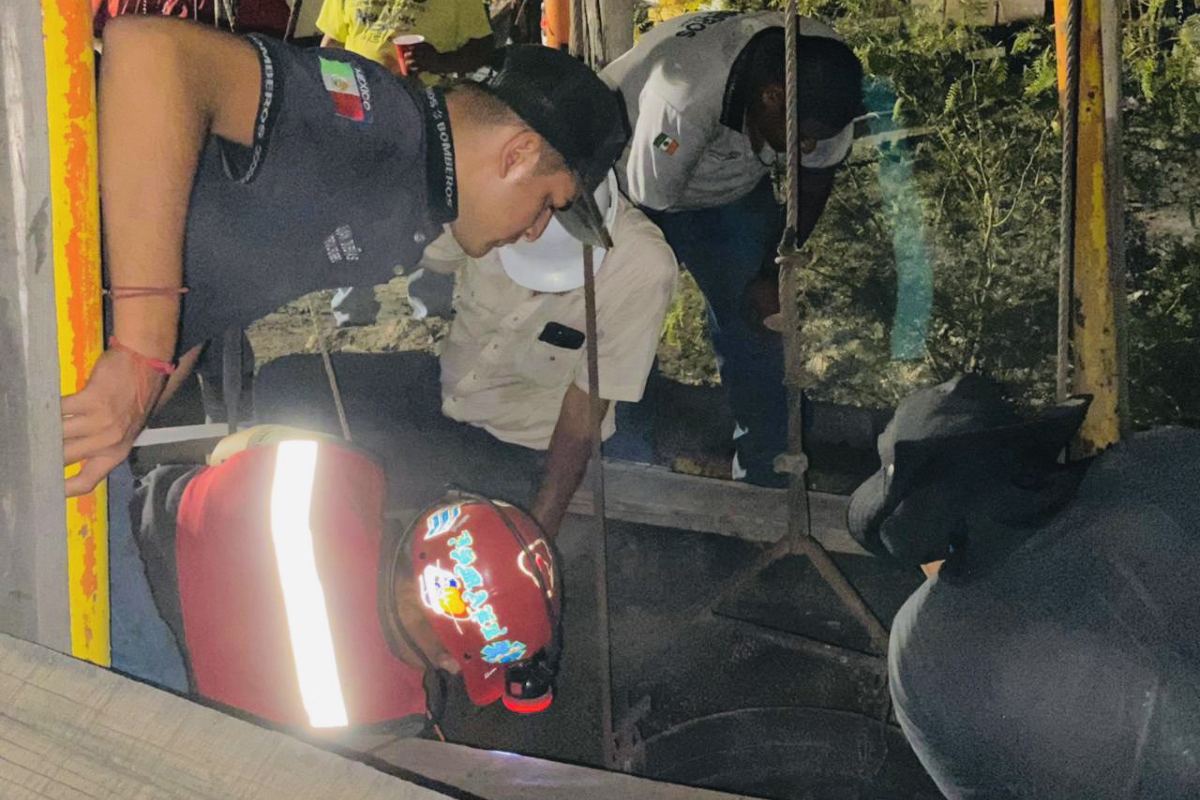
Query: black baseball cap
point(933, 430)
point(564, 101)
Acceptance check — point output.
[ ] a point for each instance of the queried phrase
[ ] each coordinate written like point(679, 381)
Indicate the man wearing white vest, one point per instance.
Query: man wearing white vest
point(706, 101)
point(505, 409)
point(515, 362)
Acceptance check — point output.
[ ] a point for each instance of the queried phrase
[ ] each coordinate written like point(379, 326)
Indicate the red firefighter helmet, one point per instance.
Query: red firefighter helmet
point(490, 589)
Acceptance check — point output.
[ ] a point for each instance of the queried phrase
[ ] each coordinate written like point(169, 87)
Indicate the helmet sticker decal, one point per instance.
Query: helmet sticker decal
point(541, 558)
point(459, 593)
point(442, 521)
point(503, 652)
point(442, 592)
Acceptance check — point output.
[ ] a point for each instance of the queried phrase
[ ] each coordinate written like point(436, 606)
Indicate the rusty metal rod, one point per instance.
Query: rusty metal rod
point(601, 533)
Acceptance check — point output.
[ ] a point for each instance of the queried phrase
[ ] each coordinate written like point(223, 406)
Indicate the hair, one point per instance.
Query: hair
point(483, 106)
point(487, 109)
point(829, 76)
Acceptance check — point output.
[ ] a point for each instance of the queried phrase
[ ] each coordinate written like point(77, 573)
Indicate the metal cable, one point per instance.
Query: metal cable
point(790, 44)
point(329, 373)
point(1066, 241)
point(289, 32)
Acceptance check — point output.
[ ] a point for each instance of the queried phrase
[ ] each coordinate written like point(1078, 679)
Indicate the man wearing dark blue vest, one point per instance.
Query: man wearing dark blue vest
point(240, 173)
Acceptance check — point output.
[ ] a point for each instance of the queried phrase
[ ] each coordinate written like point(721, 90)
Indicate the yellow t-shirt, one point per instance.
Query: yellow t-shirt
point(366, 27)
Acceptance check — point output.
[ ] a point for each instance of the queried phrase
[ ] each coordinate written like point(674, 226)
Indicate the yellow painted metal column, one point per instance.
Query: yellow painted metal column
point(71, 111)
point(1094, 332)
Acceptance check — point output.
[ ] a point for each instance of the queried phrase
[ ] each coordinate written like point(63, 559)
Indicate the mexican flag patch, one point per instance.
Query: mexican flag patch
point(666, 144)
point(342, 85)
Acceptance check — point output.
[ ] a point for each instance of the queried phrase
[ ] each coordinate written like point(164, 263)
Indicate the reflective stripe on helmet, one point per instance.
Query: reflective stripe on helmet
point(303, 596)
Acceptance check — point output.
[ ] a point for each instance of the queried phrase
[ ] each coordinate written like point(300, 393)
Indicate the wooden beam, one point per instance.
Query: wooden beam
point(33, 545)
point(657, 496)
point(513, 777)
point(651, 495)
point(73, 731)
point(600, 30)
point(181, 433)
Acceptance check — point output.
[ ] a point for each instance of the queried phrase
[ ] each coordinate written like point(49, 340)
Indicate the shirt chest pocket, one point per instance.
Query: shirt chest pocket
point(547, 365)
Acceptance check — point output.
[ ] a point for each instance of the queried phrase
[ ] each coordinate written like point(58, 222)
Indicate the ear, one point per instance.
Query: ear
point(772, 98)
point(520, 155)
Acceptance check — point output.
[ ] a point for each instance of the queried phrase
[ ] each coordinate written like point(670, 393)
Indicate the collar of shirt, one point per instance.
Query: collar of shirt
point(441, 174)
point(733, 109)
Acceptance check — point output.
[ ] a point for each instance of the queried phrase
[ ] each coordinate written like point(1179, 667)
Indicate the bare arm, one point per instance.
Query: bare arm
point(760, 298)
point(468, 58)
point(164, 86)
point(329, 41)
point(471, 56)
point(815, 189)
point(566, 459)
point(814, 194)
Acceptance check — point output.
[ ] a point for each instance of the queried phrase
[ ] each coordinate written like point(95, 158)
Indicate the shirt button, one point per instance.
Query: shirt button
point(418, 237)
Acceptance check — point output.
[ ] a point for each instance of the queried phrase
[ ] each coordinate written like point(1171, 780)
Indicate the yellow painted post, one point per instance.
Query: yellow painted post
point(71, 113)
point(1094, 331)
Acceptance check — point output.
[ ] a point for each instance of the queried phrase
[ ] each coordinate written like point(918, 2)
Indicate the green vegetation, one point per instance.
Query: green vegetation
point(972, 191)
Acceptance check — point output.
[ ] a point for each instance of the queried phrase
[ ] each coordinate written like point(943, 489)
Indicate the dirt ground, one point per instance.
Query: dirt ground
point(291, 328)
point(683, 353)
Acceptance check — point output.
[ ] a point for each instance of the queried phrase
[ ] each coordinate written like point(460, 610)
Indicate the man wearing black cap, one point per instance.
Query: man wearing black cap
point(246, 173)
point(1056, 654)
point(706, 102)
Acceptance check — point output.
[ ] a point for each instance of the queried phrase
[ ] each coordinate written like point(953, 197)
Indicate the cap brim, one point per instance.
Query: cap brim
point(865, 514)
point(584, 221)
point(1041, 437)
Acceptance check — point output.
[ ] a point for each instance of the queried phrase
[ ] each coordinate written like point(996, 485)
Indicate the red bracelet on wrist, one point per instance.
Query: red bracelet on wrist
point(161, 367)
point(127, 292)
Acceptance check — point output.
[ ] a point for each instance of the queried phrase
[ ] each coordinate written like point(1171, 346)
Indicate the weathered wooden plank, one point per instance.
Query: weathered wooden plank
point(657, 496)
point(71, 730)
point(652, 495)
point(33, 544)
point(512, 777)
point(181, 433)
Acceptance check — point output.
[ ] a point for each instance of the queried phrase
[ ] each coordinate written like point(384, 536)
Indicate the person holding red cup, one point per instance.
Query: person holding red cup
point(409, 62)
point(432, 40)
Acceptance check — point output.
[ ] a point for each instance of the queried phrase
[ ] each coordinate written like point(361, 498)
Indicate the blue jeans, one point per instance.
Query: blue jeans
point(724, 248)
point(142, 644)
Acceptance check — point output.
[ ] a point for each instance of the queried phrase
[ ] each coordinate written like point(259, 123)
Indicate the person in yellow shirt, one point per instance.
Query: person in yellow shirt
point(458, 34)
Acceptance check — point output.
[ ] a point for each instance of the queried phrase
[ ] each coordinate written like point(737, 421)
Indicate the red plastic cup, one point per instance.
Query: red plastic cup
point(404, 42)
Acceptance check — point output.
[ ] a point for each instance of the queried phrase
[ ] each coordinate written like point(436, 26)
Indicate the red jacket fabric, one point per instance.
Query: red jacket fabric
point(234, 618)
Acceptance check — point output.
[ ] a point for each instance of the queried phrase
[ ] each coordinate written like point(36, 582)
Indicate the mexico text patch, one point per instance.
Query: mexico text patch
point(347, 87)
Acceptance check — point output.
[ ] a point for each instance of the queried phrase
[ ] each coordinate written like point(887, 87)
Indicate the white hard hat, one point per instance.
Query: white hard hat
point(554, 263)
